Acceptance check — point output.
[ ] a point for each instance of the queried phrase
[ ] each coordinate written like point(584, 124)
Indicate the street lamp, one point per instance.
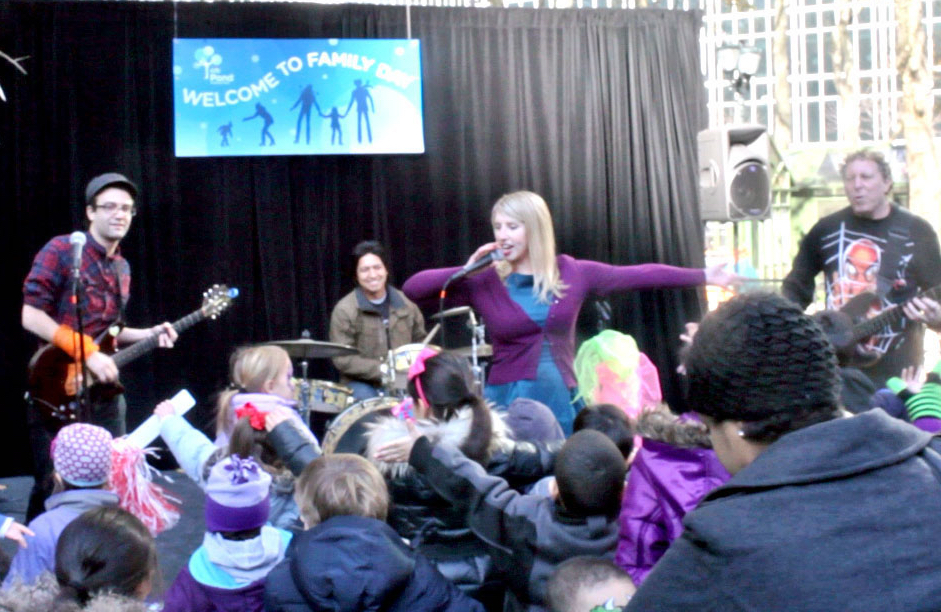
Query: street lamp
point(739, 63)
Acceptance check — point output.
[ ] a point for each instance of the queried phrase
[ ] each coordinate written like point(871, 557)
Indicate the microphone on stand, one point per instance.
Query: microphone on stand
point(483, 262)
point(77, 240)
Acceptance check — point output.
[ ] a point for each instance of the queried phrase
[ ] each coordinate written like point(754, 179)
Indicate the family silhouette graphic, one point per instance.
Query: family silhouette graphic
point(225, 131)
point(307, 99)
point(359, 97)
point(261, 111)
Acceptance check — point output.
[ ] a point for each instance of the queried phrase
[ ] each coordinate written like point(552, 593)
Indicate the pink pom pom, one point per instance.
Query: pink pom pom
point(132, 480)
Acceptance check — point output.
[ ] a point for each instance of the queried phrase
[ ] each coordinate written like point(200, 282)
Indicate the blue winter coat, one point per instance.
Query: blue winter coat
point(357, 564)
point(836, 516)
point(61, 509)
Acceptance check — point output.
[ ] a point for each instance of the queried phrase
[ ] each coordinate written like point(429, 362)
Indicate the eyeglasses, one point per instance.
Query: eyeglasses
point(112, 207)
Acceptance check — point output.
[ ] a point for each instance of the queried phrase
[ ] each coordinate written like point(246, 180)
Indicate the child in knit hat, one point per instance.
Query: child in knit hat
point(81, 459)
point(227, 573)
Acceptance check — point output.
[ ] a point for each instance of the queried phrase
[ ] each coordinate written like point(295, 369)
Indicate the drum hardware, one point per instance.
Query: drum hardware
point(478, 347)
point(305, 349)
point(431, 334)
point(476, 350)
point(483, 351)
point(451, 312)
point(304, 405)
point(395, 368)
point(400, 361)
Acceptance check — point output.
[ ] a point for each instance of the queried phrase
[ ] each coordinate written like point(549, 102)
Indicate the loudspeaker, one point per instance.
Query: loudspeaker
point(734, 177)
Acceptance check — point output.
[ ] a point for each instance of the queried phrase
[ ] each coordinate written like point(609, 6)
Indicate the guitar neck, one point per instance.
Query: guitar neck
point(888, 317)
point(142, 347)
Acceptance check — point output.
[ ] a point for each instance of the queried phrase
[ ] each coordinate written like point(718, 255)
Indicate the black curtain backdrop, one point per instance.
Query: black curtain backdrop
point(595, 110)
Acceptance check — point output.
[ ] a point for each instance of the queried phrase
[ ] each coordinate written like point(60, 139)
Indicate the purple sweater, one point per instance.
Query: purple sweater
point(516, 339)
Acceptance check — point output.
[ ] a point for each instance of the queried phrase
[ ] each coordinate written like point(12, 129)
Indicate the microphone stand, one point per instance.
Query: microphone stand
point(441, 296)
point(473, 267)
point(84, 402)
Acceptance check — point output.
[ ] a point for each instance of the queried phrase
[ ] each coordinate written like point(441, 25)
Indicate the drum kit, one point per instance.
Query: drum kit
point(328, 406)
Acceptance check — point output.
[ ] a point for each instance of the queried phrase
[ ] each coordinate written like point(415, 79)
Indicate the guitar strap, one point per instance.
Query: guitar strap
point(891, 266)
point(117, 275)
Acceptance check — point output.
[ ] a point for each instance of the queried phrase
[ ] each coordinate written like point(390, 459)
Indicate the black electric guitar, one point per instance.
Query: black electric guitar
point(54, 378)
point(852, 317)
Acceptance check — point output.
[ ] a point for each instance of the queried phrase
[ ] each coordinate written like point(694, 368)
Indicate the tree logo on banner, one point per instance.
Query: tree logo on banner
point(207, 58)
point(16, 64)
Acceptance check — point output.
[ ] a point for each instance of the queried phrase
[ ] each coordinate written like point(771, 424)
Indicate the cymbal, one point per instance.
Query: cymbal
point(483, 350)
point(450, 312)
point(305, 348)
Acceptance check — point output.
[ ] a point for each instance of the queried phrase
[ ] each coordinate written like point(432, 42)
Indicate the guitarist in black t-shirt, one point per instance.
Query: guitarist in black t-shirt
point(874, 247)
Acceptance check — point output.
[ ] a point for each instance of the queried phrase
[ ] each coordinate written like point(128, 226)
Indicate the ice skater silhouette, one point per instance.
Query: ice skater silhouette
point(261, 111)
point(359, 97)
point(307, 98)
point(334, 116)
point(225, 131)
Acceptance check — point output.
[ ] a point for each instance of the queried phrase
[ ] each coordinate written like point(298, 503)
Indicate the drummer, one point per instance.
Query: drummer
point(372, 318)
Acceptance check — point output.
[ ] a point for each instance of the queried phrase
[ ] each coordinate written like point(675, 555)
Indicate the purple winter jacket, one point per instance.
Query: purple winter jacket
point(667, 480)
point(187, 594)
point(227, 576)
point(517, 340)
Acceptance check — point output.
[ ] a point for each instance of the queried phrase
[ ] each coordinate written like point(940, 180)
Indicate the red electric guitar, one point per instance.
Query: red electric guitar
point(53, 378)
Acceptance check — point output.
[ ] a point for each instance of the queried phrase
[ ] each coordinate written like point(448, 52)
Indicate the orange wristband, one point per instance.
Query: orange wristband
point(68, 340)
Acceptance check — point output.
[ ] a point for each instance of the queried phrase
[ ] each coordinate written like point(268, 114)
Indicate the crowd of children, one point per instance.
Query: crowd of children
point(451, 509)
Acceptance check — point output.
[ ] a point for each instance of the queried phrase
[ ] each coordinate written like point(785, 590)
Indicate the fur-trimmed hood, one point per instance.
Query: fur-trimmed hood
point(683, 431)
point(38, 597)
point(455, 431)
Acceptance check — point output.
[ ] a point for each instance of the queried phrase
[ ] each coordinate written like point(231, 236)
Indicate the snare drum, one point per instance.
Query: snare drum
point(347, 432)
point(403, 358)
point(325, 396)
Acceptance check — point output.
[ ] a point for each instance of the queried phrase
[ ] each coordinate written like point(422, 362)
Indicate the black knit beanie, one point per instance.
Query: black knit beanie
point(758, 358)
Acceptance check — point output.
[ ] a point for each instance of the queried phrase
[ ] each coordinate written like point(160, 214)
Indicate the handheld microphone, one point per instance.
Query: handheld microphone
point(483, 262)
point(77, 240)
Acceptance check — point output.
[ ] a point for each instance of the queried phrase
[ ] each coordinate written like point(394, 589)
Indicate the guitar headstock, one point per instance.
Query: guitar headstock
point(216, 299)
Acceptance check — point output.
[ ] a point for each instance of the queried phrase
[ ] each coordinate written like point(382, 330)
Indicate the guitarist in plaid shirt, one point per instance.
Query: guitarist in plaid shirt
point(49, 313)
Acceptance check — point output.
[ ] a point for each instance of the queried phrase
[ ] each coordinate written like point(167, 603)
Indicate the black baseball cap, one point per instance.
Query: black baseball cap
point(108, 179)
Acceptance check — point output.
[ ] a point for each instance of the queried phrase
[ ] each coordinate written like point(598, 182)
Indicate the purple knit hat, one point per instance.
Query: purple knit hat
point(237, 495)
point(532, 421)
point(81, 454)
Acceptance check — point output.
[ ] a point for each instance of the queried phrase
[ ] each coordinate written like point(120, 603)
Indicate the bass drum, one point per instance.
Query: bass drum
point(347, 432)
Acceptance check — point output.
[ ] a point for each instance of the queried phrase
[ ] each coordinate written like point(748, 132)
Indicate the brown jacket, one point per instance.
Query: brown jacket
point(356, 321)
